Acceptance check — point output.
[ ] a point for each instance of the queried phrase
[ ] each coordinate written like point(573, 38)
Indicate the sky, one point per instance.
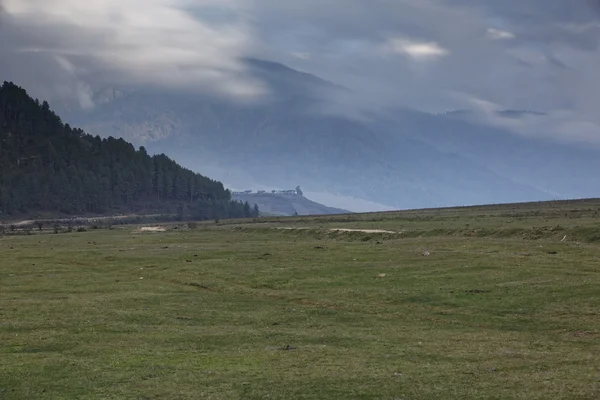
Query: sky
point(530, 66)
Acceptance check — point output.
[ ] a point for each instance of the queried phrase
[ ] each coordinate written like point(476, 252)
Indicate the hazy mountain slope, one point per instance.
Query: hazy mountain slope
point(562, 171)
point(286, 204)
point(280, 144)
point(405, 160)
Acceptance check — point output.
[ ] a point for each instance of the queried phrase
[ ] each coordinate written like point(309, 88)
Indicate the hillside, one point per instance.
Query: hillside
point(399, 158)
point(48, 167)
point(275, 204)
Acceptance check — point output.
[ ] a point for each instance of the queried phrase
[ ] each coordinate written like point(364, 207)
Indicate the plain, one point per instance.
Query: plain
point(497, 302)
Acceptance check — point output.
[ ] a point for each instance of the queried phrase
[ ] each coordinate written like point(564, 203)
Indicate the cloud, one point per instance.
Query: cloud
point(301, 55)
point(537, 55)
point(562, 125)
point(433, 55)
point(497, 34)
point(156, 42)
point(419, 51)
point(516, 114)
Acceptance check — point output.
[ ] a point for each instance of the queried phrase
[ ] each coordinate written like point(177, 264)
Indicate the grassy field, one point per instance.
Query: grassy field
point(495, 302)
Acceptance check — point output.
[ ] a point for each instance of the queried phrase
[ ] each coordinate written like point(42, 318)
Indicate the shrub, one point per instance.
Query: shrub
point(81, 229)
point(192, 225)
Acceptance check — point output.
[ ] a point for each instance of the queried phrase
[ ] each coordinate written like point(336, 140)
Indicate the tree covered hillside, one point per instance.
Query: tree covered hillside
point(47, 166)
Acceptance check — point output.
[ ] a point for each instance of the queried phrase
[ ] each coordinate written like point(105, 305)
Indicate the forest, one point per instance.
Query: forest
point(50, 168)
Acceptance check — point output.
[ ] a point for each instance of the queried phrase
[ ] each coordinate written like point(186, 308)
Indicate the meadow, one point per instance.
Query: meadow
point(497, 302)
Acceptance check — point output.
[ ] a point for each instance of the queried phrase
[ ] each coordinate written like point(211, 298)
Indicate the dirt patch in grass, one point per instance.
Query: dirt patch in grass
point(152, 229)
point(361, 230)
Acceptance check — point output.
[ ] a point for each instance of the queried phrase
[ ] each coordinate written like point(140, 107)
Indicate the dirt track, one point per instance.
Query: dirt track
point(361, 230)
point(344, 230)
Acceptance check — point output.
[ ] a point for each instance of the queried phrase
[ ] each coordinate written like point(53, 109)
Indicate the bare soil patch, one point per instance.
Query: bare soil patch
point(152, 229)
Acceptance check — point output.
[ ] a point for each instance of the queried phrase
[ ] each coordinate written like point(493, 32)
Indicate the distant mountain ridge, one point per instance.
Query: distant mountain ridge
point(400, 158)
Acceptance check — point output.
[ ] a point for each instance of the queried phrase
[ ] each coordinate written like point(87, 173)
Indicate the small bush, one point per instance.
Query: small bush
point(192, 225)
point(56, 228)
point(81, 229)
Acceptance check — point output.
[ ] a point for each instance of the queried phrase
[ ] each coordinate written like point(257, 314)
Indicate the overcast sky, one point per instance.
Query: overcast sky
point(433, 55)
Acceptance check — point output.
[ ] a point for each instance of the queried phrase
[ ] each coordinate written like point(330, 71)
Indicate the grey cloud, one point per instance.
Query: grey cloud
point(516, 114)
point(548, 65)
point(549, 21)
point(139, 42)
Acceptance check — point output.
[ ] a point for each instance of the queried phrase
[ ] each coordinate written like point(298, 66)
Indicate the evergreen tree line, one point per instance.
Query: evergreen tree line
point(47, 166)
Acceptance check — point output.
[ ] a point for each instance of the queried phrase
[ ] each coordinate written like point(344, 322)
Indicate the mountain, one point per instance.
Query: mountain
point(300, 134)
point(284, 204)
point(48, 167)
point(557, 170)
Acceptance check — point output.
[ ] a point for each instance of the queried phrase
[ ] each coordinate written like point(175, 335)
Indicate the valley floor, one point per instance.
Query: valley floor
point(478, 303)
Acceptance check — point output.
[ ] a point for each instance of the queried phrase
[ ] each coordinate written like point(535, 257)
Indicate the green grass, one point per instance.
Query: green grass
point(366, 316)
point(572, 220)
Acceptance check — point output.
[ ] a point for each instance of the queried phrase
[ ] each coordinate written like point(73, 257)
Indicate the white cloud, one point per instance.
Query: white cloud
point(416, 50)
point(85, 95)
point(497, 34)
point(143, 41)
point(302, 55)
point(65, 64)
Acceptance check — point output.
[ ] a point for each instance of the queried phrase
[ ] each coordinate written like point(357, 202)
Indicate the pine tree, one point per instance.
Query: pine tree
point(49, 166)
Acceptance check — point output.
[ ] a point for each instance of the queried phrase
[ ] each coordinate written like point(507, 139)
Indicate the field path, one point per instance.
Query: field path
point(343, 230)
point(361, 230)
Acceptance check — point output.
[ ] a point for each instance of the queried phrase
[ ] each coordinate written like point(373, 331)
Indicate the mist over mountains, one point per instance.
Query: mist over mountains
point(307, 131)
